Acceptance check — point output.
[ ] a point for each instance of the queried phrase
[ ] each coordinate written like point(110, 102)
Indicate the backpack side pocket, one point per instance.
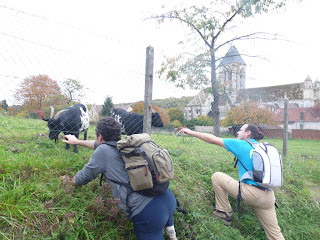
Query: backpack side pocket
point(139, 175)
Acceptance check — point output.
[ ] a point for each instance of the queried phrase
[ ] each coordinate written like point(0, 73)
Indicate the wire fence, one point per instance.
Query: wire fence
point(42, 56)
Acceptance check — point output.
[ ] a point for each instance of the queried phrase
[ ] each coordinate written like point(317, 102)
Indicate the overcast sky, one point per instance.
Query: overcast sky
point(103, 45)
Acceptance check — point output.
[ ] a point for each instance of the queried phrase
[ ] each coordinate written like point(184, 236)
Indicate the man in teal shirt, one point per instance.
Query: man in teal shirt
point(260, 199)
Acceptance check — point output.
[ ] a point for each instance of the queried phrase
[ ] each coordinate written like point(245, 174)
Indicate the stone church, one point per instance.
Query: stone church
point(231, 74)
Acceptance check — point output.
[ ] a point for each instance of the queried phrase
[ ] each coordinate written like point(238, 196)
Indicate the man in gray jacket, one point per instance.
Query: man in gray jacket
point(150, 215)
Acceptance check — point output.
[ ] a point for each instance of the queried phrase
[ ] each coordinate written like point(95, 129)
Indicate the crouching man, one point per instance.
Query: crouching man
point(260, 199)
point(107, 160)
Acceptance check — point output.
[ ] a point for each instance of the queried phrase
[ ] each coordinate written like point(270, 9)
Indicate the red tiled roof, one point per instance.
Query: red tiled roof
point(294, 114)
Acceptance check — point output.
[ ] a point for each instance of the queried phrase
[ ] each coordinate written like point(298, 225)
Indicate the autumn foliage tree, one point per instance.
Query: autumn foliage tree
point(37, 92)
point(139, 108)
point(248, 112)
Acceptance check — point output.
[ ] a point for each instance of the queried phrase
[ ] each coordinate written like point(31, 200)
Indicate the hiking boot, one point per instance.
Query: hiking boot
point(225, 217)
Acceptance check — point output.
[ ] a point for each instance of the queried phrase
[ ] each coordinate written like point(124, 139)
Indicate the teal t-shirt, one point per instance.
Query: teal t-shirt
point(241, 149)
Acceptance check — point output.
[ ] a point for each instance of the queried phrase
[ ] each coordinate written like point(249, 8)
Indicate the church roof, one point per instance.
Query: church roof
point(199, 99)
point(232, 56)
point(273, 93)
point(310, 114)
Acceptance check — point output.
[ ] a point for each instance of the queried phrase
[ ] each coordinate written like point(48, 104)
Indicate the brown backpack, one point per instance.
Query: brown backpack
point(150, 168)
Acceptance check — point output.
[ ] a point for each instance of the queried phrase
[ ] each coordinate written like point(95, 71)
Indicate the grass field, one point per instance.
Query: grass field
point(36, 204)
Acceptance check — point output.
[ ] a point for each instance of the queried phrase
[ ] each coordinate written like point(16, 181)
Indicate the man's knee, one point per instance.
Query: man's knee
point(219, 178)
point(216, 176)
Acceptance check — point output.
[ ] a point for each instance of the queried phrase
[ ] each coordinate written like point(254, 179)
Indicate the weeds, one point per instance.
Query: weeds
point(36, 203)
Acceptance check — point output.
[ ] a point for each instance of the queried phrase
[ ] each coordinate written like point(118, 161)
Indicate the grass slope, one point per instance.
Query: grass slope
point(36, 204)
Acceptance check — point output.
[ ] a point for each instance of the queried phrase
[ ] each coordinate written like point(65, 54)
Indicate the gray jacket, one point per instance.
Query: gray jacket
point(107, 160)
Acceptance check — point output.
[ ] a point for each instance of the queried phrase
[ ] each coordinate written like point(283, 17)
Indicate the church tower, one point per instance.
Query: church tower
point(317, 92)
point(308, 93)
point(231, 73)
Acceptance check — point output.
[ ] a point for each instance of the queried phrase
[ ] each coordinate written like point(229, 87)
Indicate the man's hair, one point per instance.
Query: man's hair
point(109, 129)
point(255, 133)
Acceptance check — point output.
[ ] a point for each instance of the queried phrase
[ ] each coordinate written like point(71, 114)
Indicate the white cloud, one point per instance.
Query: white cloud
point(103, 45)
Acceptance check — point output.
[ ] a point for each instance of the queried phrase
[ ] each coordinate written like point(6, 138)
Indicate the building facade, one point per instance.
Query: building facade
point(231, 74)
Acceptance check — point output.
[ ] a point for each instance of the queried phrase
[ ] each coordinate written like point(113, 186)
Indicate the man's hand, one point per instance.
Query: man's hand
point(183, 130)
point(70, 139)
point(67, 180)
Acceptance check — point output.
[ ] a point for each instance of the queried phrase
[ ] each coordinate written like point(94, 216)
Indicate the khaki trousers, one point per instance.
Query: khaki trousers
point(262, 201)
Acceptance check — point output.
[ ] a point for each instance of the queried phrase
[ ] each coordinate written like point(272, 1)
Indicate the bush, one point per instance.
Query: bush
point(33, 115)
point(169, 126)
point(2, 111)
point(248, 112)
point(176, 114)
point(199, 121)
point(176, 123)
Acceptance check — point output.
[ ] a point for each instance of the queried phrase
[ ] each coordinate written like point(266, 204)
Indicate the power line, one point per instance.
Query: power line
point(40, 44)
point(91, 33)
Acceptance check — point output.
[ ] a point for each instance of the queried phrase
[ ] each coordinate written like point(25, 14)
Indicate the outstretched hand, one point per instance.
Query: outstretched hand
point(183, 130)
point(70, 139)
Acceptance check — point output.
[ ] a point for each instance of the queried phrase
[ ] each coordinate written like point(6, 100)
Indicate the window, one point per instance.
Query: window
point(230, 75)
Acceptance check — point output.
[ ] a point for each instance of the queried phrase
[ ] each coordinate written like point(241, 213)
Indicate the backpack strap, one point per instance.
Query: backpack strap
point(129, 191)
point(251, 143)
point(179, 208)
point(126, 185)
point(237, 160)
point(239, 197)
point(154, 176)
point(110, 143)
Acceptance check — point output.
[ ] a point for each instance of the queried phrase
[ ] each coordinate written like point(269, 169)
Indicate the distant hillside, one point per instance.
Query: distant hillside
point(172, 102)
point(167, 102)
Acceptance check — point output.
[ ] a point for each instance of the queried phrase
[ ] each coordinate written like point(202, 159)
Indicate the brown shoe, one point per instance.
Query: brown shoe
point(225, 217)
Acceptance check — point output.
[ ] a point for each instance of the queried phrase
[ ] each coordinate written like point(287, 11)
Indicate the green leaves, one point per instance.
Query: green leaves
point(182, 71)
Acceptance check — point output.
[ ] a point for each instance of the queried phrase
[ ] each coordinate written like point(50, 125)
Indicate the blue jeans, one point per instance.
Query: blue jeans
point(150, 222)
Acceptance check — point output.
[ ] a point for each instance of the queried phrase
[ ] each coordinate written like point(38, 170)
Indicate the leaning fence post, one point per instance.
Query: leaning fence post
point(285, 128)
point(147, 116)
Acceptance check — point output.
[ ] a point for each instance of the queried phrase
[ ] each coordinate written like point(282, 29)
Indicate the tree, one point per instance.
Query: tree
point(4, 105)
point(41, 114)
point(172, 102)
point(248, 112)
point(139, 108)
point(107, 107)
point(73, 90)
point(37, 92)
point(209, 25)
point(176, 114)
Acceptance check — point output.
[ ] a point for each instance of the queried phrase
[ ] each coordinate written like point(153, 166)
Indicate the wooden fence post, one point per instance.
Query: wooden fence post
point(147, 116)
point(285, 129)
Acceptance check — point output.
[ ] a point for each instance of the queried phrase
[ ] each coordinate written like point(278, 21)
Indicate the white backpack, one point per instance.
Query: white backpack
point(267, 166)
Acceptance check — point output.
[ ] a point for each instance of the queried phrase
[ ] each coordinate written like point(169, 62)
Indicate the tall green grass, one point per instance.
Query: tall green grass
point(36, 204)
